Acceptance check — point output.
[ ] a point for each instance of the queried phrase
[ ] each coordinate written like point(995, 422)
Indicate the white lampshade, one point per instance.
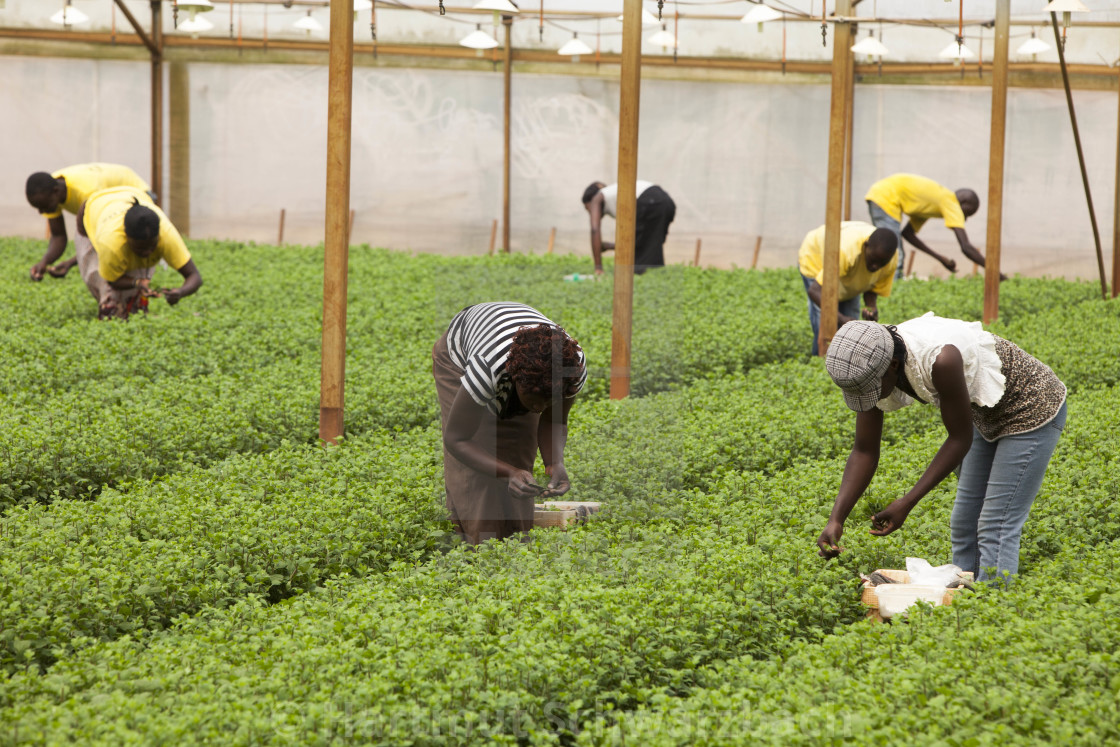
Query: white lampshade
point(196, 6)
point(69, 16)
point(648, 19)
point(1066, 6)
point(502, 6)
point(760, 14)
point(195, 25)
point(956, 52)
point(1033, 46)
point(478, 39)
point(360, 5)
point(663, 38)
point(574, 48)
point(308, 24)
point(871, 47)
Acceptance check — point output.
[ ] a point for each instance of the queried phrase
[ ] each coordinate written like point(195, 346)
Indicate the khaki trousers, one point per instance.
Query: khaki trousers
point(98, 286)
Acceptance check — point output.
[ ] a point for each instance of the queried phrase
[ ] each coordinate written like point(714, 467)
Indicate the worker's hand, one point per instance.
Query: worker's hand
point(949, 264)
point(829, 541)
point(598, 270)
point(890, 518)
point(523, 485)
point(559, 484)
point(870, 314)
point(59, 270)
point(172, 295)
point(37, 271)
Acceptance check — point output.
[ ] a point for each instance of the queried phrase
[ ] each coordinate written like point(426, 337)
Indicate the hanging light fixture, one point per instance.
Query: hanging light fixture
point(871, 46)
point(648, 19)
point(69, 16)
point(1066, 8)
point(663, 38)
point(308, 23)
point(1033, 46)
point(956, 51)
point(574, 47)
point(478, 39)
point(193, 24)
point(760, 14)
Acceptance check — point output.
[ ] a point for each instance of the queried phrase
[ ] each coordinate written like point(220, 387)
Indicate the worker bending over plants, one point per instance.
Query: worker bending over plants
point(1003, 411)
point(122, 236)
point(867, 260)
point(66, 189)
point(506, 377)
point(655, 212)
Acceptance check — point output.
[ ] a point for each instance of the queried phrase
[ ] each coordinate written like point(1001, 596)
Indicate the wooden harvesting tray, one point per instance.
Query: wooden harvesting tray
point(871, 601)
point(563, 513)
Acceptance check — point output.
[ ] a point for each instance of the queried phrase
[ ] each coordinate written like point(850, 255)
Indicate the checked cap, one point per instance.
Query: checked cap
point(858, 356)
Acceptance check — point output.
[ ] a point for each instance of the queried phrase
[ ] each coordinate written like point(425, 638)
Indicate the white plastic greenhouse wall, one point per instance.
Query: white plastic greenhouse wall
point(741, 160)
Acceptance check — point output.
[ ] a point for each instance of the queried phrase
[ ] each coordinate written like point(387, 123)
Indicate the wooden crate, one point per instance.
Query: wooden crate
point(871, 601)
point(563, 514)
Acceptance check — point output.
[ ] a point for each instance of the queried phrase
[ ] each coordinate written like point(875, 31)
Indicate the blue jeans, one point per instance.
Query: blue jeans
point(847, 308)
point(997, 486)
point(880, 219)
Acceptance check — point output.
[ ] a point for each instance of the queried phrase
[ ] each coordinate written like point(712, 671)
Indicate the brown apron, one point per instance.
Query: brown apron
point(480, 505)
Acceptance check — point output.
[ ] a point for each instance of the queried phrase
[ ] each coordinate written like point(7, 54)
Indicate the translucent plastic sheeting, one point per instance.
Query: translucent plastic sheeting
point(740, 159)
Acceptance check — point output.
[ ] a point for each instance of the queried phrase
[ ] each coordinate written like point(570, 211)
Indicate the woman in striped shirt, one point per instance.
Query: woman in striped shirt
point(506, 377)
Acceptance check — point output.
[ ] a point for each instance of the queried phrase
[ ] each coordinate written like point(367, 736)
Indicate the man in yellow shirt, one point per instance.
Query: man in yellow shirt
point(66, 189)
point(920, 199)
point(122, 236)
point(867, 264)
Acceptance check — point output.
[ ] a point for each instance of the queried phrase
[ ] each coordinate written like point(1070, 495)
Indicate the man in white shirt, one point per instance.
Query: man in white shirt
point(656, 211)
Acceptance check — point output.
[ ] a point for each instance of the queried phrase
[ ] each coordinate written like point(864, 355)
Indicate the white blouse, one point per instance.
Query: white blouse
point(924, 338)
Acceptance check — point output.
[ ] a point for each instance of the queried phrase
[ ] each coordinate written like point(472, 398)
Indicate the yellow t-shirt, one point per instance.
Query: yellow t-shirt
point(855, 278)
point(917, 197)
point(104, 223)
point(86, 178)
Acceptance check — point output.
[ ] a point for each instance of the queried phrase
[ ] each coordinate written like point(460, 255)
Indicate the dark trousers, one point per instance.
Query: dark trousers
point(656, 211)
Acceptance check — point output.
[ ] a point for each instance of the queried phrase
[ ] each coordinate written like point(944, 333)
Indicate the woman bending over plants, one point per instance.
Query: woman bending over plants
point(506, 377)
point(1003, 411)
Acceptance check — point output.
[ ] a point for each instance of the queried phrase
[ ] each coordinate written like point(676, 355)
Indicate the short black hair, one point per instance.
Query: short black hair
point(141, 222)
point(591, 191)
point(884, 239)
point(899, 353)
point(39, 183)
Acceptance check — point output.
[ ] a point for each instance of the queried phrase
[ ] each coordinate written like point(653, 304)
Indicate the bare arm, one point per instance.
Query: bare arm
point(966, 246)
point(860, 468)
point(956, 414)
point(463, 422)
point(552, 435)
point(595, 210)
point(192, 281)
point(909, 234)
point(56, 246)
point(871, 306)
point(815, 295)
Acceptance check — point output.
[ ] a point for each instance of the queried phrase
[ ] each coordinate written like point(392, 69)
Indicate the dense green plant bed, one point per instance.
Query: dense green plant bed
point(267, 526)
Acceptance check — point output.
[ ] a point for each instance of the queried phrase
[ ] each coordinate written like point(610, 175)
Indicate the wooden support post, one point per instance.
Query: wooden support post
point(910, 264)
point(337, 251)
point(849, 134)
point(507, 21)
point(1080, 154)
point(975, 268)
point(157, 100)
point(838, 119)
point(627, 205)
point(280, 233)
point(757, 249)
point(179, 133)
point(493, 237)
point(551, 239)
point(996, 162)
point(1116, 208)
point(696, 259)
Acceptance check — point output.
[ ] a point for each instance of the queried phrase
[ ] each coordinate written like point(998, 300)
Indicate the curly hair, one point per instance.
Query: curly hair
point(544, 360)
